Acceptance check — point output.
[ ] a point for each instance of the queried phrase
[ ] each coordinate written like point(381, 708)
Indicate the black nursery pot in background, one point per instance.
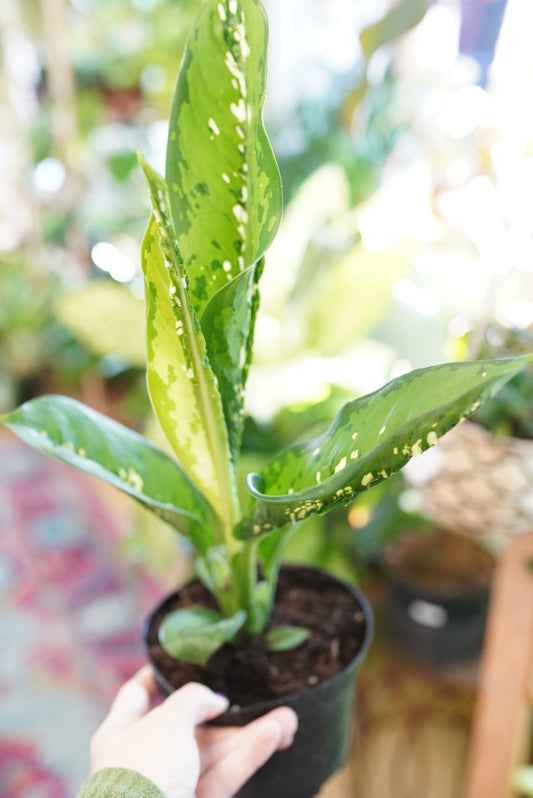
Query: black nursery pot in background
point(325, 712)
point(438, 592)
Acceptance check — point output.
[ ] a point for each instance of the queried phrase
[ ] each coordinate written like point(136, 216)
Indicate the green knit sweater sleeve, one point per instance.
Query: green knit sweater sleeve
point(118, 783)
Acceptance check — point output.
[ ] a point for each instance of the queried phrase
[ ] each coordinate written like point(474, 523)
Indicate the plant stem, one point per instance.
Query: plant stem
point(244, 567)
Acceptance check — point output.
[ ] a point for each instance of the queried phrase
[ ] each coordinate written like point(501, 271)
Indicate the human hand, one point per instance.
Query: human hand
point(169, 746)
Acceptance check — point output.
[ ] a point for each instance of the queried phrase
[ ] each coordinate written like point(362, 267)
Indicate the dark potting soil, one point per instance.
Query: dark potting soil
point(247, 672)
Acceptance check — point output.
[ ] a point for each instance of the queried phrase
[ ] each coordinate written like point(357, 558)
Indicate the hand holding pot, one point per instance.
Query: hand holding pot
point(170, 747)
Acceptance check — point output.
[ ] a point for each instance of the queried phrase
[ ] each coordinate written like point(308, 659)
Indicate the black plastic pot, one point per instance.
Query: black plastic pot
point(437, 624)
point(325, 713)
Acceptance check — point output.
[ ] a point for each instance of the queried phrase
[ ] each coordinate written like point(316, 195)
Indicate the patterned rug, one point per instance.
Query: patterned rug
point(71, 612)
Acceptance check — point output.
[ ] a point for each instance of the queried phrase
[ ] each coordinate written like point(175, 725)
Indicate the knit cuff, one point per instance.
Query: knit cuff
point(118, 783)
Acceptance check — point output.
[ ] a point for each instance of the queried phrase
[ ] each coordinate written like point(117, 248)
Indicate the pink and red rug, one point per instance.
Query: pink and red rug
point(71, 613)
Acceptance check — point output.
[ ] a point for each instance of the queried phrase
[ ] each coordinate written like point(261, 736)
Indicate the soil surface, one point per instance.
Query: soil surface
point(248, 673)
point(441, 562)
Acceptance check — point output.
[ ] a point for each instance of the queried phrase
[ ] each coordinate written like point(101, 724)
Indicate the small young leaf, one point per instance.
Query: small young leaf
point(76, 434)
point(370, 439)
point(195, 633)
point(285, 638)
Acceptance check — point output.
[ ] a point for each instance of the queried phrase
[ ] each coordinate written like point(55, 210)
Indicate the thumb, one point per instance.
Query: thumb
point(133, 699)
point(194, 704)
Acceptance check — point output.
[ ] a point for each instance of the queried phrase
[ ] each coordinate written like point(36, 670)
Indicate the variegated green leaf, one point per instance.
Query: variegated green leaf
point(195, 633)
point(228, 323)
point(182, 385)
point(225, 188)
point(76, 434)
point(371, 438)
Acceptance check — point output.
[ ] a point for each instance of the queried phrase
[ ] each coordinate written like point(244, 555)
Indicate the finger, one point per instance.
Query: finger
point(228, 774)
point(217, 743)
point(194, 704)
point(133, 698)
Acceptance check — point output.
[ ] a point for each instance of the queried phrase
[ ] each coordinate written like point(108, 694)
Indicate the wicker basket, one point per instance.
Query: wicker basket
point(485, 484)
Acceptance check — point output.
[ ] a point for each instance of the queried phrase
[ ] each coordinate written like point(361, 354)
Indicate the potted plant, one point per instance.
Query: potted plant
point(438, 587)
point(214, 216)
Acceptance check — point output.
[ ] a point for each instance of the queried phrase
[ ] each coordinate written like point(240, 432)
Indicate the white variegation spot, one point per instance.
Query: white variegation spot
point(340, 465)
point(416, 448)
point(239, 110)
point(213, 126)
point(240, 213)
point(367, 479)
point(237, 73)
point(135, 480)
point(432, 438)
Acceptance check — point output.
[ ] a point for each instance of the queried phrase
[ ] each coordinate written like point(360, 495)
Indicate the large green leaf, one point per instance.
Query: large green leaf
point(76, 434)
point(195, 633)
point(371, 438)
point(182, 385)
point(225, 188)
point(228, 323)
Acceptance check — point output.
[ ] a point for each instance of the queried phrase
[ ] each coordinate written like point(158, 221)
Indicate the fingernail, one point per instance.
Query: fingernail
point(221, 695)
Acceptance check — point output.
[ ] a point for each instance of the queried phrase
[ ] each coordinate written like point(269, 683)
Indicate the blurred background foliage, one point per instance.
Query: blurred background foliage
point(406, 150)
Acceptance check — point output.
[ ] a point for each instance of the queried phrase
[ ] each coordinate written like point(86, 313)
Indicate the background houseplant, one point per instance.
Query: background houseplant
point(202, 256)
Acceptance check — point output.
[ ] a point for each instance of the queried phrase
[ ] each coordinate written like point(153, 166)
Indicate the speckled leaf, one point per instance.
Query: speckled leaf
point(194, 633)
point(76, 434)
point(371, 438)
point(225, 188)
point(228, 323)
point(182, 385)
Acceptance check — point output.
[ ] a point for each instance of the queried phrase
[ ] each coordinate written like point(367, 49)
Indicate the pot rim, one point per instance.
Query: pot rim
point(262, 707)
